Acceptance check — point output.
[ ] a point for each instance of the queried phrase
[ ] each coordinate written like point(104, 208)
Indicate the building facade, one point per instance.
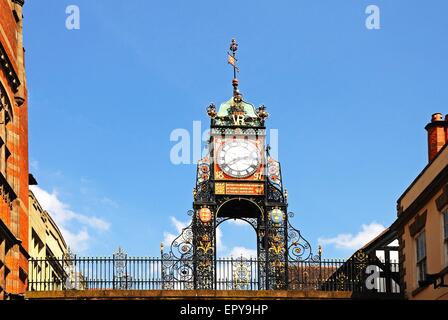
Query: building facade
point(13, 153)
point(45, 243)
point(422, 223)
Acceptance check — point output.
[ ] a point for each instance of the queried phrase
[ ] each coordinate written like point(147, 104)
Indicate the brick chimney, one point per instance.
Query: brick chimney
point(437, 134)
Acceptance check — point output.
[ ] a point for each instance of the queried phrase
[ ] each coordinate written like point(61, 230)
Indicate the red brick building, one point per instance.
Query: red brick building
point(13, 153)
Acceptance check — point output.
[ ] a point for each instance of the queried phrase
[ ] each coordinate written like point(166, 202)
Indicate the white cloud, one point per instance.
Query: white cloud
point(168, 237)
point(220, 245)
point(179, 225)
point(108, 201)
point(79, 241)
point(63, 215)
point(238, 252)
point(353, 242)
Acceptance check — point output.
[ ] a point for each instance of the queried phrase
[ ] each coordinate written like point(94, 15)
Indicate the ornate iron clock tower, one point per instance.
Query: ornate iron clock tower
point(238, 179)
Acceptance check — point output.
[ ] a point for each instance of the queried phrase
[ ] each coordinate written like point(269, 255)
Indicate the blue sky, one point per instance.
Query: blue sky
point(350, 105)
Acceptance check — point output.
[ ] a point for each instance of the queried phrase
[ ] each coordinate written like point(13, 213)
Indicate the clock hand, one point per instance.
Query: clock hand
point(233, 161)
point(238, 159)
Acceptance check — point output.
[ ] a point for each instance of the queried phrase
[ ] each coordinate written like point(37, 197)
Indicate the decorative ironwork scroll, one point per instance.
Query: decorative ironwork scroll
point(299, 249)
point(241, 274)
point(203, 192)
point(191, 261)
point(274, 190)
point(177, 263)
point(122, 281)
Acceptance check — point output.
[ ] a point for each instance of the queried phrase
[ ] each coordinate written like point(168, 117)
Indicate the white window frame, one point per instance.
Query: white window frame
point(420, 261)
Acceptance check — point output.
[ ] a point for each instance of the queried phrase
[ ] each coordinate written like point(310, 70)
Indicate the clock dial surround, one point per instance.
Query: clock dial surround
point(239, 158)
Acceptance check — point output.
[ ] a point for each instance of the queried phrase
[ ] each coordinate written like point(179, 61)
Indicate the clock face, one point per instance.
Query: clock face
point(239, 158)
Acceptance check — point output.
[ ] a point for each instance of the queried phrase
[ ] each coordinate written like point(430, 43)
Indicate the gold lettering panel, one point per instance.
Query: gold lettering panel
point(222, 188)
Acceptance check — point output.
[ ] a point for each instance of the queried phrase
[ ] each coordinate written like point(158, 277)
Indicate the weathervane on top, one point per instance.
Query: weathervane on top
point(232, 61)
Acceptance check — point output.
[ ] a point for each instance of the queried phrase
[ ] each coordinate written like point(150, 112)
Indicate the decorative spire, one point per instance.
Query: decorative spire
point(232, 61)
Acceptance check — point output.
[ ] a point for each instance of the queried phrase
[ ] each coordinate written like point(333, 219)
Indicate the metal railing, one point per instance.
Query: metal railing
point(147, 273)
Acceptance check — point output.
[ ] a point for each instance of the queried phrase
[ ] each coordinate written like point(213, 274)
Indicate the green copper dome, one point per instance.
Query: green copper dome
point(226, 108)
